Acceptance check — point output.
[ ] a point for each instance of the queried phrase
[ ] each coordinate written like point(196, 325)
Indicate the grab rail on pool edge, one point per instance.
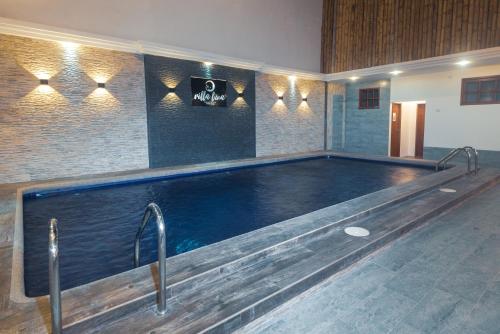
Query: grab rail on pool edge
point(467, 150)
point(54, 283)
point(154, 209)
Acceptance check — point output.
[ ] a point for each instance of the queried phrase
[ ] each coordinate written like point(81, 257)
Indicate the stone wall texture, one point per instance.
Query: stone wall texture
point(289, 125)
point(180, 133)
point(69, 127)
point(361, 130)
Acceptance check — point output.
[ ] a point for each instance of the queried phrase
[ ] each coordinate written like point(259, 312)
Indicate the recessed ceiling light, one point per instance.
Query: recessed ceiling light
point(354, 78)
point(463, 62)
point(396, 72)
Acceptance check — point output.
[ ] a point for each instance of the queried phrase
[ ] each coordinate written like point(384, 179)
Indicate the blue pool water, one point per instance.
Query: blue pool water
point(97, 226)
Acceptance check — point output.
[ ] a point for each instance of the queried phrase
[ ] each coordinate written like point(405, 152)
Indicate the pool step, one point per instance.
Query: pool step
point(257, 285)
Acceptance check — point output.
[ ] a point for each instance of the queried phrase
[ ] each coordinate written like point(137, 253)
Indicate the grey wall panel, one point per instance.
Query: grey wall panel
point(365, 130)
point(180, 133)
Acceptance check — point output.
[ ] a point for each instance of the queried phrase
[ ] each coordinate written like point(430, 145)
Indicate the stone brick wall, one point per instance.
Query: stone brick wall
point(361, 130)
point(69, 127)
point(289, 125)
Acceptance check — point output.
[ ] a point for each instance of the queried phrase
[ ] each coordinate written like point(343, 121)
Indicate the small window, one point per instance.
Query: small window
point(369, 98)
point(484, 90)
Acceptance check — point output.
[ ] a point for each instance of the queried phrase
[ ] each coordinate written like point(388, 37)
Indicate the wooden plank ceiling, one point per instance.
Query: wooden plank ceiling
point(365, 33)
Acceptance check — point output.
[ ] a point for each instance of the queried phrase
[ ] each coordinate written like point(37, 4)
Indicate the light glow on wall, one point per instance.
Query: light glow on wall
point(45, 98)
point(463, 62)
point(101, 100)
point(170, 80)
point(69, 45)
point(44, 89)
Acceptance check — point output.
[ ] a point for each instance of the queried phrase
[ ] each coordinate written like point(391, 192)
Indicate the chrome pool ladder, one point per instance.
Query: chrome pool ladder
point(468, 150)
point(154, 209)
point(54, 282)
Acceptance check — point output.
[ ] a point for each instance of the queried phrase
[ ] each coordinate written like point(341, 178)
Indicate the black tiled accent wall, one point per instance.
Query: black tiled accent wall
point(182, 134)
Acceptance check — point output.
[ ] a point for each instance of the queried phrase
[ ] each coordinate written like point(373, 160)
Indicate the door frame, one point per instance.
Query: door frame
point(420, 131)
point(392, 140)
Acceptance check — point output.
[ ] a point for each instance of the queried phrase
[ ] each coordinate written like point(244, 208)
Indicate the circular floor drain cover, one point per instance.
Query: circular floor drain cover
point(357, 231)
point(447, 190)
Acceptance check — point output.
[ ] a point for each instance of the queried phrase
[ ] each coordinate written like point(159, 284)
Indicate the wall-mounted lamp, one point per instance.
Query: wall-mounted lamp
point(240, 95)
point(280, 97)
point(101, 85)
point(208, 63)
point(171, 89)
point(304, 99)
point(44, 81)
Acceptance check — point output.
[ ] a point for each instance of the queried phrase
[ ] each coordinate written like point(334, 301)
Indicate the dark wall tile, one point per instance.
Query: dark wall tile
point(180, 133)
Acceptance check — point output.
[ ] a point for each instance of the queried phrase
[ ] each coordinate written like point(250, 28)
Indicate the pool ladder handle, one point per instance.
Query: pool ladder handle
point(154, 209)
point(54, 282)
point(54, 279)
point(468, 150)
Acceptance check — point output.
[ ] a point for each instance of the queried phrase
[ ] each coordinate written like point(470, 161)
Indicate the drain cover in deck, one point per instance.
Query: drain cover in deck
point(357, 231)
point(447, 190)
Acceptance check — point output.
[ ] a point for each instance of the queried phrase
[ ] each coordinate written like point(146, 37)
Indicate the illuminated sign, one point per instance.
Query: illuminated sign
point(208, 92)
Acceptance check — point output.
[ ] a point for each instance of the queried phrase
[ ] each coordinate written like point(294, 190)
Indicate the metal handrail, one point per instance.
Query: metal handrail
point(476, 157)
point(467, 150)
point(154, 209)
point(54, 282)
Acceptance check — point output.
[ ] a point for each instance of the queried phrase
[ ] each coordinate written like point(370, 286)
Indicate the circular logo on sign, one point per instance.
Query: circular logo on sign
point(209, 86)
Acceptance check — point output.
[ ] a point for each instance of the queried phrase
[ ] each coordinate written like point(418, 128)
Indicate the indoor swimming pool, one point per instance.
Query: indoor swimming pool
point(98, 225)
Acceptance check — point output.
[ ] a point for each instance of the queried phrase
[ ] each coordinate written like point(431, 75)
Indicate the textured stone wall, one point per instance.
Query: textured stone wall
point(289, 125)
point(180, 133)
point(361, 130)
point(69, 127)
point(336, 98)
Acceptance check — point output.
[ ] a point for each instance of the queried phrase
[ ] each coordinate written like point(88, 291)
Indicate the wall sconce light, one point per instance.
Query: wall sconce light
point(208, 63)
point(171, 90)
point(304, 99)
point(44, 81)
point(280, 97)
point(240, 95)
point(101, 85)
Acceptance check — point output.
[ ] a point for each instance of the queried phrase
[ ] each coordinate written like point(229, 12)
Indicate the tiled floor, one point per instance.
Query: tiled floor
point(442, 278)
